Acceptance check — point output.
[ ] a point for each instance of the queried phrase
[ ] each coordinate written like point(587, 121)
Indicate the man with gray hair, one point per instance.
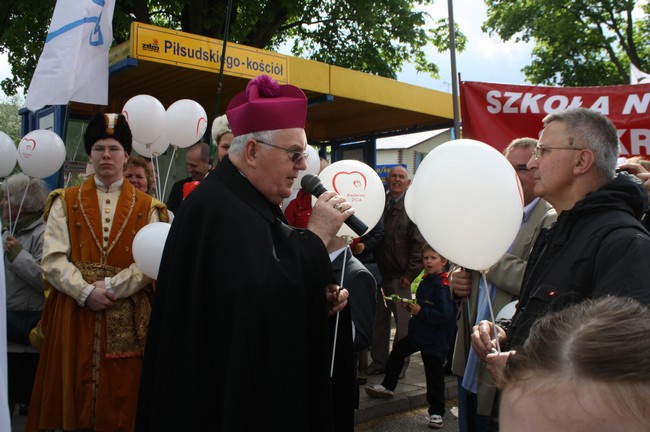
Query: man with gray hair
point(597, 247)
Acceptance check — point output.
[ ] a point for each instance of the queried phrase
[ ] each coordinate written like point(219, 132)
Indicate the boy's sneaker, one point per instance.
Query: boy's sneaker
point(435, 421)
point(378, 391)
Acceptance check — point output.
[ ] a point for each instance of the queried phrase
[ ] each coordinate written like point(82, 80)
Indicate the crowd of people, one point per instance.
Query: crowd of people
point(252, 314)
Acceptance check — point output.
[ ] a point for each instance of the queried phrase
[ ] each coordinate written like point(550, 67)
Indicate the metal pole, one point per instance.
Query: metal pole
point(454, 74)
point(217, 108)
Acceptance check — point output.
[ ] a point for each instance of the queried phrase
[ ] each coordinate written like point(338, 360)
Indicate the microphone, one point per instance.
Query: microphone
point(313, 186)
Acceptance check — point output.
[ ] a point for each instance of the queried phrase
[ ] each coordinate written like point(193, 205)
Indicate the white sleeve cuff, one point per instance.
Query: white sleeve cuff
point(108, 285)
point(84, 294)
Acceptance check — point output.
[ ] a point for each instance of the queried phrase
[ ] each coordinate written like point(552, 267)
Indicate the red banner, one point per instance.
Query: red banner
point(498, 113)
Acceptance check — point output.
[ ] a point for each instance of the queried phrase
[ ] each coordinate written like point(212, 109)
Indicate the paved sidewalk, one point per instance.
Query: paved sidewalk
point(409, 394)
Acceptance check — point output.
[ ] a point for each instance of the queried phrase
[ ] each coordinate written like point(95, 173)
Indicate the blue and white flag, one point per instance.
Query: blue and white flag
point(74, 62)
point(637, 76)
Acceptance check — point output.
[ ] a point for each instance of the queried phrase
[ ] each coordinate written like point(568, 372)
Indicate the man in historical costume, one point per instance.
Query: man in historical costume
point(97, 313)
point(240, 327)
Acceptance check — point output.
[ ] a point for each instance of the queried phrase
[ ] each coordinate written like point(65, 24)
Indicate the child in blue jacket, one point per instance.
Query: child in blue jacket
point(431, 331)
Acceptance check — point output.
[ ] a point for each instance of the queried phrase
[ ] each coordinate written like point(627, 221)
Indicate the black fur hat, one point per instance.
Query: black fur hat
point(108, 126)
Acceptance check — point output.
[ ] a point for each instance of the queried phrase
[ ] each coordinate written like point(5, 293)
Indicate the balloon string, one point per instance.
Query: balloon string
point(156, 167)
point(489, 300)
point(169, 168)
point(336, 327)
point(9, 206)
point(20, 207)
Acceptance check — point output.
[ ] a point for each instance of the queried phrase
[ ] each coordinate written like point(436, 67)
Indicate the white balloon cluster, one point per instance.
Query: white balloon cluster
point(155, 128)
point(467, 202)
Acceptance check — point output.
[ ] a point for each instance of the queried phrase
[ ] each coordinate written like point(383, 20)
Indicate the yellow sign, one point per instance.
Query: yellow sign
point(197, 52)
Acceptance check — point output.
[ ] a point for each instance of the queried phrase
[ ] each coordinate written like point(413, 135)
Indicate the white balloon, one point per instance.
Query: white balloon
point(186, 122)
point(148, 246)
point(8, 155)
point(41, 153)
point(146, 117)
point(508, 311)
point(361, 186)
point(479, 218)
point(408, 203)
point(154, 149)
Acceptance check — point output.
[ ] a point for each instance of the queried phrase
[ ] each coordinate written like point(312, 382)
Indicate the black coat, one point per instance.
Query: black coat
point(239, 337)
point(363, 297)
point(597, 248)
point(176, 195)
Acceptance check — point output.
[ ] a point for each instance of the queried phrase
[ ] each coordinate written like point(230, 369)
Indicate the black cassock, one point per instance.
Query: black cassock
point(239, 338)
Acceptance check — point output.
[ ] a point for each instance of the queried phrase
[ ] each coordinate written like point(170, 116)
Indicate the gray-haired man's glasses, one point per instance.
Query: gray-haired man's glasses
point(540, 151)
point(295, 157)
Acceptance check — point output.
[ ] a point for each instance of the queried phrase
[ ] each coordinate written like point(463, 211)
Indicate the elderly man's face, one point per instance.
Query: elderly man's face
point(275, 173)
point(553, 169)
point(398, 180)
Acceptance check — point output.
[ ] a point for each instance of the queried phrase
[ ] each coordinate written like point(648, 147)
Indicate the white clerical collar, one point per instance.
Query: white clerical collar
point(114, 187)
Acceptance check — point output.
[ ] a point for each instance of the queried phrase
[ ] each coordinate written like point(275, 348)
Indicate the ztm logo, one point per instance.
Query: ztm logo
point(153, 46)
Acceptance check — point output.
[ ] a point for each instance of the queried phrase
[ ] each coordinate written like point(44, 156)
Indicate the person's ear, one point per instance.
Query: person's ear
point(251, 152)
point(585, 160)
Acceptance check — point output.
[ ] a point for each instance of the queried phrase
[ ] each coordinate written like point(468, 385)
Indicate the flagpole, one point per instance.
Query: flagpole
point(454, 75)
point(217, 109)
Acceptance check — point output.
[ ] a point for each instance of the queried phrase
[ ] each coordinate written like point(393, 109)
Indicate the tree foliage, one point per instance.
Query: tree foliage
point(577, 42)
point(375, 36)
point(9, 117)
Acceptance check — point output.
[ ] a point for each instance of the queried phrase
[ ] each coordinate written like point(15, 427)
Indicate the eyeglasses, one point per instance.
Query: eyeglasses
point(539, 151)
point(295, 157)
point(521, 168)
point(102, 149)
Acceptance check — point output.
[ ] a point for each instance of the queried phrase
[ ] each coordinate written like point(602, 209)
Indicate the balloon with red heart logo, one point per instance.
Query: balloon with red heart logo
point(41, 153)
point(361, 186)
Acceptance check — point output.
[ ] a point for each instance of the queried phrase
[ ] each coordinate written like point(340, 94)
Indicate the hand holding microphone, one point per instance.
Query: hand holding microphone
point(313, 186)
